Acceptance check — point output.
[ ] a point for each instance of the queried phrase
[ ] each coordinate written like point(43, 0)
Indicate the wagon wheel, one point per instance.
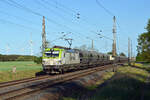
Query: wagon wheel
point(62, 71)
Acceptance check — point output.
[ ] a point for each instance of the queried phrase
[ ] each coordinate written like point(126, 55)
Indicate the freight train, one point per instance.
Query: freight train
point(61, 59)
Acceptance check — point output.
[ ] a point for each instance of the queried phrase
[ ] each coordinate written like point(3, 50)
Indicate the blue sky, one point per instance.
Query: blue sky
point(17, 23)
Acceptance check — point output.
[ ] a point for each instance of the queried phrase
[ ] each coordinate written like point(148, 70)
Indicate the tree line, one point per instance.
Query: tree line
point(143, 47)
point(16, 58)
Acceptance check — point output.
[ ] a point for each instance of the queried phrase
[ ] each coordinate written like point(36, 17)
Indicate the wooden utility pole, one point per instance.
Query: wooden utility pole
point(43, 36)
point(114, 37)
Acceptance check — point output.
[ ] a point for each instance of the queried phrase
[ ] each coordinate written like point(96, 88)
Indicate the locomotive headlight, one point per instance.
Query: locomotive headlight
point(44, 61)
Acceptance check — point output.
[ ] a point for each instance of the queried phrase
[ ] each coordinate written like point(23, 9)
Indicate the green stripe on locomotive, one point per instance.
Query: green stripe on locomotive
point(53, 49)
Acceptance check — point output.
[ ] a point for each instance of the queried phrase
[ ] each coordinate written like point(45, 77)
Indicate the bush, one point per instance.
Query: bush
point(38, 60)
point(16, 58)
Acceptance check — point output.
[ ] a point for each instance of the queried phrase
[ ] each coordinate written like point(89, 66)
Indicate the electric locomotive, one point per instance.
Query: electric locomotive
point(60, 59)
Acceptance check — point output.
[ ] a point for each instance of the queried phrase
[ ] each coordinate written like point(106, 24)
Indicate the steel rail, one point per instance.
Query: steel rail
point(15, 82)
point(23, 92)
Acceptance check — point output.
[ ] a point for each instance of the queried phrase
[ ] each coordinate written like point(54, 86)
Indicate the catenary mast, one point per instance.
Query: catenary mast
point(114, 52)
point(43, 35)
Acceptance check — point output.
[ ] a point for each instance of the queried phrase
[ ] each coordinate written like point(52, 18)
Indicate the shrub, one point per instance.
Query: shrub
point(38, 60)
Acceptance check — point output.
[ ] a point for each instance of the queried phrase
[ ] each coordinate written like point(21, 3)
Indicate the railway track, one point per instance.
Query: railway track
point(19, 90)
point(10, 83)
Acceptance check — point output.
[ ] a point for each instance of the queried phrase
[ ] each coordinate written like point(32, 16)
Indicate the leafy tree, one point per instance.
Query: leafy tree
point(38, 60)
point(85, 47)
point(110, 53)
point(143, 47)
point(122, 54)
point(82, 47)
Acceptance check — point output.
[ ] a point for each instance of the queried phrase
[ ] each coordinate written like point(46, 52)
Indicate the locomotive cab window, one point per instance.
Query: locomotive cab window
point(52, 54)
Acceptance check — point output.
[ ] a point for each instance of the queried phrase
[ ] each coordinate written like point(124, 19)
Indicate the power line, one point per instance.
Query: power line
point(76, 12)
point(110, 13)
point(68, 9)
point(27, 9)
point(47, 8)
point(18, 17)
point(102, 36)
point(20, 25)
point(60, 6)
point(100, 5)
point(106, 10)
point(15, 4)
point(23, 7)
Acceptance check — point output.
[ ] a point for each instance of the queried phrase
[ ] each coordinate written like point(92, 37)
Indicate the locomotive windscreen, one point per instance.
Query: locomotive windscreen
point(52, 54)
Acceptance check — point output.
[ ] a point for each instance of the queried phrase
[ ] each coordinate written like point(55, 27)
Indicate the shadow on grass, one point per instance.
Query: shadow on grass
point(122, 87)
point(144, 68)
point(119, 87)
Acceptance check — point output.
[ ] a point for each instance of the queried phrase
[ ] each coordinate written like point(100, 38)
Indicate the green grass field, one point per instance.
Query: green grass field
point(128, 83)
point(20, 65)
point(24, 69)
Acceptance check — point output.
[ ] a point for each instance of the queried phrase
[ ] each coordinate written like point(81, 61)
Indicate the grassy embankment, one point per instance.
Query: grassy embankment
point(24, 69)
point(128, 83)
